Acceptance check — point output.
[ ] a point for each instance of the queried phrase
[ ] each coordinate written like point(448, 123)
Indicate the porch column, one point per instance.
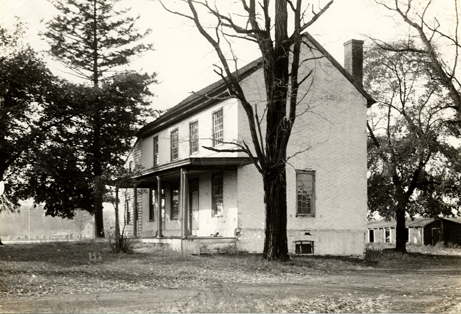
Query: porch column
point(183, 203)
point(135, 210)
point(159, 208)
point(117, 220)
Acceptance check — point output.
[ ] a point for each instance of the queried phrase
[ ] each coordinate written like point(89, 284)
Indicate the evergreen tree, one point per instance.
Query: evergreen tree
point(91, 38)
point(63, 177)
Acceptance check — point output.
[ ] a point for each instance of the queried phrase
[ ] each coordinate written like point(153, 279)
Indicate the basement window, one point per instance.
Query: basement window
point(304, 247)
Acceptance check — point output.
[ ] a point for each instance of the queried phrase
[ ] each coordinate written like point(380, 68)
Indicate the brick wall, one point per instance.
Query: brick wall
point(329, 137)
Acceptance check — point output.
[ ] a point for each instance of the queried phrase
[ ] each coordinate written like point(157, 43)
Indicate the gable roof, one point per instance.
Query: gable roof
point(211, 94)
point(417, 222)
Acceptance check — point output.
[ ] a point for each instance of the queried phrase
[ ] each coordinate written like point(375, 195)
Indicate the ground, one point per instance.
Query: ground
point(59, 278)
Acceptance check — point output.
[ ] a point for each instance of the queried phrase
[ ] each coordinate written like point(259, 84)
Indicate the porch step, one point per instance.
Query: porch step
point(217, 245)
point(196, 246)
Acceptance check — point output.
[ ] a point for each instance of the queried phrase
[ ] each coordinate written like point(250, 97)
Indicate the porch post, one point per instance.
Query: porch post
point(183, 203)
point(159, 208)
point(117, 220)
point(135, 210)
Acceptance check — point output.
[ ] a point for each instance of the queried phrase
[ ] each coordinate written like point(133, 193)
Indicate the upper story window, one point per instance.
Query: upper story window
point(218, 127)
point(193, 137)
point(155, 150)
point(174, 144)
point(305, 193)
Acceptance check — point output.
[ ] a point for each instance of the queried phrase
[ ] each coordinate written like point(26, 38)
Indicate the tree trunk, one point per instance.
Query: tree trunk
point(98, 217)
point(275, 243)
point(117, 219)
point(401, 235)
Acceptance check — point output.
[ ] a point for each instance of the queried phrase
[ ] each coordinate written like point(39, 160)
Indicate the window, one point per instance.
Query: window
point(304, 247)
point(217, 194)
point(387, 235)
point(174, 214)
point(174, 144)
point(127, 209)
point(218, 127)
point(305, 193)
point(371, 238)
point(152, 204)
point(155, 150)
point(193, 137)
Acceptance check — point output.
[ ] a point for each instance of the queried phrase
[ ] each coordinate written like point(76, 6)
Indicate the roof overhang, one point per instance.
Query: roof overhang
point(193, 165)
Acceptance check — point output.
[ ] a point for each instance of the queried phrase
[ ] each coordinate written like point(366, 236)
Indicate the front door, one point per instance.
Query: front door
point(194, 206)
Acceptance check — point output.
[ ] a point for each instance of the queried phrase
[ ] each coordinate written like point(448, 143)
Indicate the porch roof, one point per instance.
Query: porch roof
point(171, 170)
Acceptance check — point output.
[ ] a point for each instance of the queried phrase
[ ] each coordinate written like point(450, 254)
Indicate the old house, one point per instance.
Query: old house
point(193, 197)
point(423, 231)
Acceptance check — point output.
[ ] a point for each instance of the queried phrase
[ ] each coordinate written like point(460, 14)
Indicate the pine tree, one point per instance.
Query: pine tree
point(92, 38)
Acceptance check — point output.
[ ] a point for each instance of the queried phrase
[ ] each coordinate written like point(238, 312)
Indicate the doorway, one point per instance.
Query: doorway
point(194, 206)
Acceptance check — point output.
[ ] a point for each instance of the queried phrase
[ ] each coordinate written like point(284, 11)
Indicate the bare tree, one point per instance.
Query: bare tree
point(432, 36)
point(267, 25)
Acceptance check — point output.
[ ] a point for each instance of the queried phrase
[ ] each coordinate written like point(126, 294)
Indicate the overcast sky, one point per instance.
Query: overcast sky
point(184, 61)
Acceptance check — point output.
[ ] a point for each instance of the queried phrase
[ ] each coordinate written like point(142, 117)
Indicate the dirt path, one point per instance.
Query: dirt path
point(406, 291)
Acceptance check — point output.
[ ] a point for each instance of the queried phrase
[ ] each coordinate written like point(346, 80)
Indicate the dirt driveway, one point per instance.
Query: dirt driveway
point(407, 285)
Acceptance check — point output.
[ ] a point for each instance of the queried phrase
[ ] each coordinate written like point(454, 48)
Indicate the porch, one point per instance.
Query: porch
point(190, 205)
point(195, 245)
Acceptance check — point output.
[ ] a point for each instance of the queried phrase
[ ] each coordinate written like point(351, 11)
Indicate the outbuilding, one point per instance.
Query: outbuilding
point(427, 231)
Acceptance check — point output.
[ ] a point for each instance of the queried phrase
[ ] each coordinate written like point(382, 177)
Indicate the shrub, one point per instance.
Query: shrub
point(119, 243)
point(373, 255)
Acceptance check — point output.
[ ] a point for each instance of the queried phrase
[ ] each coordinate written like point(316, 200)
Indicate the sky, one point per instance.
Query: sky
point(183, 60)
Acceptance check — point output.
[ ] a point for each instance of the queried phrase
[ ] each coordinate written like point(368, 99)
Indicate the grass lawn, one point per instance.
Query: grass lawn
point(58, 277)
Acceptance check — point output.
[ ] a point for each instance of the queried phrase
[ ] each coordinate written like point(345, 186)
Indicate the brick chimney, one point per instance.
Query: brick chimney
point(353, 59)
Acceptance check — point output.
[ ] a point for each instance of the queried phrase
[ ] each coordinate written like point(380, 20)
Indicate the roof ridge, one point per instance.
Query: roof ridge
point(218, 87)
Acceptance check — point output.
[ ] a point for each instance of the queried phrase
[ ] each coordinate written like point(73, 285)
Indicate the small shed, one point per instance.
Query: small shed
point(427, 231)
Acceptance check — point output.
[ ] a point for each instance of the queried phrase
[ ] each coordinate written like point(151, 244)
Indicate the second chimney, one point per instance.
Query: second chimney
point(353, 59)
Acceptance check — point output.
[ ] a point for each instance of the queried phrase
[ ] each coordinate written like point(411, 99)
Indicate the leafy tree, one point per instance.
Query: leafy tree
point(267, 26)
point(409, 157)
point(64, 177)
point(92, 38)
point(28, 92)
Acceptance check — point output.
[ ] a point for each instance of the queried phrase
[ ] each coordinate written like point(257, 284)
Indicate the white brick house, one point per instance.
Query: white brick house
point(207, 197)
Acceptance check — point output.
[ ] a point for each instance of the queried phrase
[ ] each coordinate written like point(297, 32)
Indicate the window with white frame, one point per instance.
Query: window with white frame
point(218, 127)
point(371, 236)
point(387, 235)
point(152, 204)
point(155, 150)
point(305, 193)
point(193, 137)
point(217, 194)
point(174, 208)
point(174, 139)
